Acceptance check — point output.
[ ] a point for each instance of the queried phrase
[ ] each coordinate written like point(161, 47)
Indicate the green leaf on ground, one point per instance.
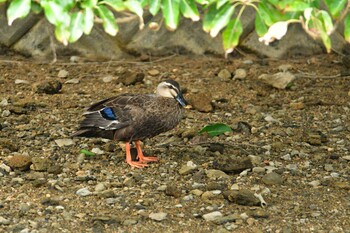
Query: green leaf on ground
point(87, 153)
point(18, 9)
point(216, 129)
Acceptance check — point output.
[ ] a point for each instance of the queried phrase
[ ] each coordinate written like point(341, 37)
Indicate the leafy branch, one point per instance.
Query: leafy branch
point(73, 18)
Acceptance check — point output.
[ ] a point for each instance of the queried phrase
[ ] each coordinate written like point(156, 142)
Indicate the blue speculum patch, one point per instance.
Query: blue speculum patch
point(108, 114)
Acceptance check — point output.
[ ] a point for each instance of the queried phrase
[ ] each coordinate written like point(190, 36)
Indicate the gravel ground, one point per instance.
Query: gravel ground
point(283, 168)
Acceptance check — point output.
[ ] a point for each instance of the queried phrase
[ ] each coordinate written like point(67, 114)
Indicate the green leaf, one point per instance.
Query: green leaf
point(88, 4)
point(347, 28)
point(231, 35)
point(216, 129)
point(209, 18)
point(327, 21)
point(88, 20)
point(87, 153)
point(260, 26)
point(2, 1)
point(154, 7)
point(66, 4)
point(36, 8)
point(220, 3)
point(335, 6)
point(55, 14)
point(189, 9)
point(270, 14)
point(109, 24)
point(62, 34)
point(117, 5)
point(221, 19)
point(171, 13)
point(135, 7)
point(76, 26)
point(296, 6)
point(18, 9)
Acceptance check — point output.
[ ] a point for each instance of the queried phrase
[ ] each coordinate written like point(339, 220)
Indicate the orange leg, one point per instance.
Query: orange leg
point(140, 155)
point(138, 164)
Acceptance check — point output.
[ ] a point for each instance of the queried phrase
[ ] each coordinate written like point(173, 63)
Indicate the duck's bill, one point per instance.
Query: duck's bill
point(179, 98)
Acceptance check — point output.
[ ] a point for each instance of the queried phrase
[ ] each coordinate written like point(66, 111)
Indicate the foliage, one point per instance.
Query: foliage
point(216, 129)
point(73, 18)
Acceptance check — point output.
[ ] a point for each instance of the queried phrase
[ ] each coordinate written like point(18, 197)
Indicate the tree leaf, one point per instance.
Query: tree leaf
point(154, 7)
point(216, 129)
point(135, 7)
point(221, 19)
point(88, 20)
point(296, 6)
point(36, 8)
point(189, 9)
point(62, 34)
point(327, 21)
point(260, 26)
point(109, 24)
point(76, 26)
point(87, 153)
point(55, 14)
point(335, 6)
point(209, 18)
point(171, 13)
point(117, 5)
point(88, 4)
point(66, 4)
point(18, 9)
point(347, 28)
point(220, 3)
point(231, 35)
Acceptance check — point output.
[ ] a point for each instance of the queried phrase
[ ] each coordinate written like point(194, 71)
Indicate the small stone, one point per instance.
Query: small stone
point(259, 170)
point(62, 74)
point(6, 113)
point(201, 102)
point(279, 80)
point(227, 219)
point(72, 81)
point(129, 222)
point(153, 72)
point(74, 59)
point(212, 216)
point(172, 190)
point(285, 67)
point(100, 187)
point(64, 142)
point(187, 198)
point(131, 78)
point(4, 102)
point(297, 105)
point(315, 183)
point(4, 221)
point(83, 192)
point(197, 192)
point(188, 168)
point(21, 81)
point(224, 74)
point(20, 162)
point(328, 167)
point(287, 157)
point(4, 168)
point(272, 178)
point(240, 74)
point(97, 151)
point(48, 87)
point(234, 187)
point(216, 174)
point(347, 157)
point(160, 216)
point(230, 165)
point(108, 79)
point(40, 164)
point(258, 213)
point(242, 197)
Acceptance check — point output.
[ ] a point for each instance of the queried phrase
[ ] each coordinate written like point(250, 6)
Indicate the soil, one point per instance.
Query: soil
point(300, 133)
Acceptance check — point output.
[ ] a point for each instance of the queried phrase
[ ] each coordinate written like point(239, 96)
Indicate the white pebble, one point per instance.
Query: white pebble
point(83, 192)
point(212, 216)
point(158, 216)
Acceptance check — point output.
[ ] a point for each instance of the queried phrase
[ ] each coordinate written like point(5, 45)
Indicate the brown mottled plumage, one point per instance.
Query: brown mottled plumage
point(134, 117)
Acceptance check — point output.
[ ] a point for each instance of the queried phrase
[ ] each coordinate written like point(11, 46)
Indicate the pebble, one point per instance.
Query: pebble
point(201, 102)
point(286, 157)
point(108, 79)
point(160, 216)
point(97, 151)
point(48, 87)
point(224, 74)
point(153, 72)
point(21, 81)
point(328, 167)
point(216, 174)
point(240, 74)
point(40, 164)
point(131, 78)
point(231, 165)
point(4, 221)
point(242, 197)
point(212, 216)
point(234, 187)
point(3, 102)
point(196, 192)
point(187, 198)
point(83, 192)
point(278, 80)
point(315, 183)
point(64, 142)
point(100, 187)
point(258, 170)
point(72, 81)
point(272, 178)
point(347, 157)
point(5, 168)
point(5, 113)
point(129, 222)
point(285, 67)
point(62, 74)
point(188, 168)
point(173, 190)
point(20, 162)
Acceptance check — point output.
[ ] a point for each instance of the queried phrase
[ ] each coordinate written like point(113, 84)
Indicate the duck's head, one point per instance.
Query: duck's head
point(171, 89)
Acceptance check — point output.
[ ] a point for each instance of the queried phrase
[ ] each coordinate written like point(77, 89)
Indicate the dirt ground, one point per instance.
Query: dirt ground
point(300, 133)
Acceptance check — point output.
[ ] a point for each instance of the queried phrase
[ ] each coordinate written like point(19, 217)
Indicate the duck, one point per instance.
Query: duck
point(131, 118)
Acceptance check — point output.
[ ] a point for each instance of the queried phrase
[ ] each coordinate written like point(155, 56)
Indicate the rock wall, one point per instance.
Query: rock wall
point(33, 36)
